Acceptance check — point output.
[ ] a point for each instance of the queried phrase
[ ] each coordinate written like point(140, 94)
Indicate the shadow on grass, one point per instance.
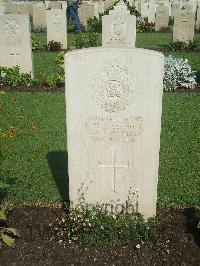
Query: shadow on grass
point(58, 162)
point(5, 184)
point(193, 217)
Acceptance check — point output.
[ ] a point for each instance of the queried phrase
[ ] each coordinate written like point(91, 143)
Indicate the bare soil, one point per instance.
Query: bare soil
point(178, 242)
point(41, 87)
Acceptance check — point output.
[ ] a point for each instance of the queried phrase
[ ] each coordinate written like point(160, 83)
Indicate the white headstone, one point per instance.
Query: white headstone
point(162, 17)
point(2, 10)
point(113, 124)
point(144, 10)
point(15, 42)
point(39, 15)
point(175, 7)
point(119, 31)
point(184, 24)
point(96, 9)
point(57, 26)
point(101, 7)
point(152, 12)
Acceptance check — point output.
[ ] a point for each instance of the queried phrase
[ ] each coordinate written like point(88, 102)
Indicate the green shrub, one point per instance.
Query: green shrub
point(60, 59)
point(35, 44)
point(55, 80)
point(182, 46)
point(95, 25)
point(133, 10)
point(164, 29)
point(11, 76)
point(142, 25)
point(84, 41)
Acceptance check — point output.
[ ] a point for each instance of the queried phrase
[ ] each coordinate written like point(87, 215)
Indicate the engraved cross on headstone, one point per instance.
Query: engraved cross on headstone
point(14, 53)
point(114, 166)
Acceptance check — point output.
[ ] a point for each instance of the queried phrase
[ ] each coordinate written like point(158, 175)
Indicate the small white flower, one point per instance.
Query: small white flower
point(137, 246)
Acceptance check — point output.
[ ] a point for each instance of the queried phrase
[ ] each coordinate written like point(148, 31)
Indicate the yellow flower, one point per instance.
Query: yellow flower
point(14, 99)
point(34, 126)
point(9, 133)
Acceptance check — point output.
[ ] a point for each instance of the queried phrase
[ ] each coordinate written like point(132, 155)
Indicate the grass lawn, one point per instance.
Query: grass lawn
point(34, 160)
point(44, 61)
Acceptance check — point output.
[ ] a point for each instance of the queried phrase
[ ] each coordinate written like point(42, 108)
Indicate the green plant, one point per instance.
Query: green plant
point(54, 46)
point(182, 46)
point(35, 43)
point(106, 12)
point(164, 29)
point(90, 40)
point(11, 76)
point(7, 234)
point(92, 225)
point(60, 59)
point(142, 25)
point(132, 9)
point(95, 25)
point(55, 80)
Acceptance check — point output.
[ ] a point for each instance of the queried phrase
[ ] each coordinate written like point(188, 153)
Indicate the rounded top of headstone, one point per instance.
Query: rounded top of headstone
point(98, 49)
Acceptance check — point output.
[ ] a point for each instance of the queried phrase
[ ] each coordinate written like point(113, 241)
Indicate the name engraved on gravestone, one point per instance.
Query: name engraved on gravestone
point(108, 129)
point(12, 30)
point(56, 20)
point(113, 89)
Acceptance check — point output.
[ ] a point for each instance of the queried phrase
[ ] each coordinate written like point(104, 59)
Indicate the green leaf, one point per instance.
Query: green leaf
point(2, 216)
point(12, 231)
point(3, 185)
point(9, 241)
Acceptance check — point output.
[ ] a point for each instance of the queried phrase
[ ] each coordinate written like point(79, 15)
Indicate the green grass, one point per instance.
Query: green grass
point(34, 160)
point(179, 178)
point(25, 156)
point(44, 61)
point(44, 64)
